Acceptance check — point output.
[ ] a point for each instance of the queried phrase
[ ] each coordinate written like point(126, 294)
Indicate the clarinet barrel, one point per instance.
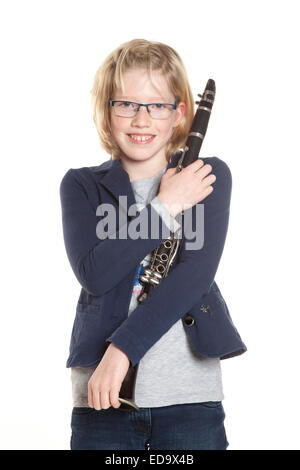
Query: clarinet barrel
point(199, 126)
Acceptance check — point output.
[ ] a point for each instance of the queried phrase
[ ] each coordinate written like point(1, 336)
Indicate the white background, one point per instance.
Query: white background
point(50, 53)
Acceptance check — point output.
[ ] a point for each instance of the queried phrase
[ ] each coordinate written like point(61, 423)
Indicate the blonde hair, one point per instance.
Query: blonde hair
point(152, 56)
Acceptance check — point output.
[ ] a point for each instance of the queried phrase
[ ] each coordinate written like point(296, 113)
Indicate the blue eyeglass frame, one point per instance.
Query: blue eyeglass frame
point(112, 102)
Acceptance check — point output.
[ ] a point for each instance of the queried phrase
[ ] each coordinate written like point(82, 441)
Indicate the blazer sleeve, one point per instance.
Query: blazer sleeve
point(94, 260)
point(187, 282)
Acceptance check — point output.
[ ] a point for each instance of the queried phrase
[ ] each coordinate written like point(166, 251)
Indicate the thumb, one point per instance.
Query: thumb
point(171, 171)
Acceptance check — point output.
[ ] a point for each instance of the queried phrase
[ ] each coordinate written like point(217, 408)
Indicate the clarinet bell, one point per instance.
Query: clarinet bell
point(127, 405)
point(126, 395)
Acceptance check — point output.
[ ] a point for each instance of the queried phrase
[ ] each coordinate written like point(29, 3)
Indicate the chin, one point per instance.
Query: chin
point(138, 154)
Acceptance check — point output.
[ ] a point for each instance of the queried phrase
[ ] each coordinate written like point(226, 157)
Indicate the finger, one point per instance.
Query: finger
point(196, 165)
point(207, 191)
point(204, 170)
point(104, 400)
point(96, 398)
point(209, 179)
point(114, 398)
point(90, 396)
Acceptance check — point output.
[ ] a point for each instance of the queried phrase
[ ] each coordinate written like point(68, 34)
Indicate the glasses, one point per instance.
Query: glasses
point(129, 109)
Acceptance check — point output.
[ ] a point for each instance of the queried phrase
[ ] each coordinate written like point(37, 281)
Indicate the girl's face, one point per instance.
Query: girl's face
point(138, 88)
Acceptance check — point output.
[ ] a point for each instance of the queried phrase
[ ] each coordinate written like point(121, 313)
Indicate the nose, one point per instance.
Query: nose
point(142, 118)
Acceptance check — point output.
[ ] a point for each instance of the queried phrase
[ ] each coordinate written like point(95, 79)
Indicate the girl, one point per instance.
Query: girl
point(143, 109)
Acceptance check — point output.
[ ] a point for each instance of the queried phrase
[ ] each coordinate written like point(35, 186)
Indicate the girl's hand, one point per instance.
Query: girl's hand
point(180, 191)
point(105, 383)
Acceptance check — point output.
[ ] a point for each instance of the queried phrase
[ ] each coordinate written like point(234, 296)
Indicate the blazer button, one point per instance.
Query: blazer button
point(189, 320)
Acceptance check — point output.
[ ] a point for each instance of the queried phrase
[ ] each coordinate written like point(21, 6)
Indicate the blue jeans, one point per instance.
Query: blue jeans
point(191, 426)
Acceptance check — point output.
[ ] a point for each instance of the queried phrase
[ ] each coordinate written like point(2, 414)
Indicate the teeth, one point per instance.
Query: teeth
point(141, 138)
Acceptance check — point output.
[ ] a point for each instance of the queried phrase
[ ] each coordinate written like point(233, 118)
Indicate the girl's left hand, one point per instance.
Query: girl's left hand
point(105, 383)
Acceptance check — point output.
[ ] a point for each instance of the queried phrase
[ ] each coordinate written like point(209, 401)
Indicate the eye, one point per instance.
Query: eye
point(123, 104)
point(157, 106)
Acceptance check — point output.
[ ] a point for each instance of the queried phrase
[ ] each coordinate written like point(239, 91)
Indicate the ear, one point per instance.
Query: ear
point(180, 110)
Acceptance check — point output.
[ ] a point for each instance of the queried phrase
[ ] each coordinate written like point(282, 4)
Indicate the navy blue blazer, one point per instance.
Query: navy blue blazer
point(106, 270)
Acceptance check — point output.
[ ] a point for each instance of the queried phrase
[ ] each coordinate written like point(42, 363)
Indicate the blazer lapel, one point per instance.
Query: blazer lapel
point(116, 181)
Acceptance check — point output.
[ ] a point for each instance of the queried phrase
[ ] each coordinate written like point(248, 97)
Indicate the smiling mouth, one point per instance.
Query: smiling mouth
point(141, 139)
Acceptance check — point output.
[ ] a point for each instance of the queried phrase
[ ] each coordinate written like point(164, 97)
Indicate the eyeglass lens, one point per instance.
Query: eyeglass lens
point(129, 109)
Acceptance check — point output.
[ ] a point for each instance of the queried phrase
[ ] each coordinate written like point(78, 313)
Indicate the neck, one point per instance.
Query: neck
point(144, 168)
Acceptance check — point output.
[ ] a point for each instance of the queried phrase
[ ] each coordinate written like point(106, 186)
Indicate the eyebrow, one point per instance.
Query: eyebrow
point(151, 100)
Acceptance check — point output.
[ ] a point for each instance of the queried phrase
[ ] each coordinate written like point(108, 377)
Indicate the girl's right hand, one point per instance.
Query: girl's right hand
point(180, 191)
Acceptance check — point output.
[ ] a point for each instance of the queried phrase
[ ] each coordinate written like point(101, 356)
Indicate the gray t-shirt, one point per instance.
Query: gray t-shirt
point(172, 371)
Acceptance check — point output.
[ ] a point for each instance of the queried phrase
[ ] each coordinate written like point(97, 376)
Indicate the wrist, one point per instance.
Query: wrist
point(116, 348)
point(172, 208)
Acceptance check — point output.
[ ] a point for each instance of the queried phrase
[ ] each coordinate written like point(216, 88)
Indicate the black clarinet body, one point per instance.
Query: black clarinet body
point(163, 256)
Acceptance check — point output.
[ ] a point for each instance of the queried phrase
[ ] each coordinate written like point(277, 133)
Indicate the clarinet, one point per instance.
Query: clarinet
point(163, 256)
